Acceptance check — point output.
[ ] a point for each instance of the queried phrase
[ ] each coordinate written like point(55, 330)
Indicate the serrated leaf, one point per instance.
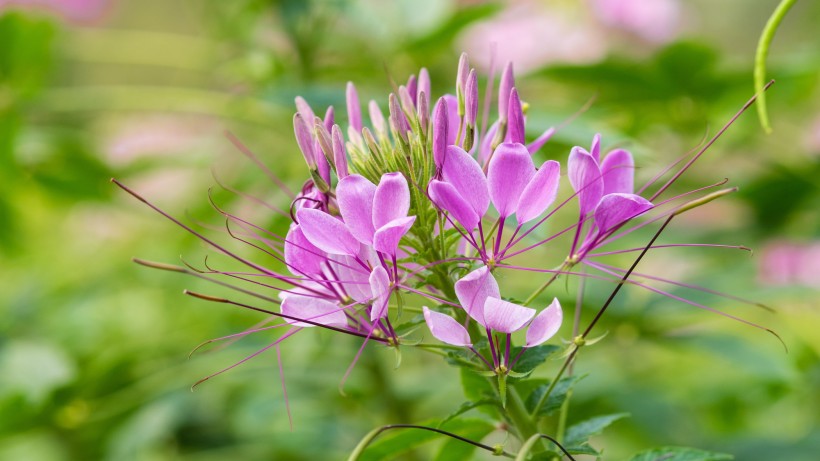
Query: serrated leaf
point(680, 454)
point(577, 435)
point(555, 399)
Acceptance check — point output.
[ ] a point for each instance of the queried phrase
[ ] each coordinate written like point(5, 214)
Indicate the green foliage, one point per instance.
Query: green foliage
point(556, 397)
point(577, 436)
point(679, 454)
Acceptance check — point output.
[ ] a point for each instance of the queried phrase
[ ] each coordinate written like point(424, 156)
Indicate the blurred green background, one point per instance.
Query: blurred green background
point(93, 348)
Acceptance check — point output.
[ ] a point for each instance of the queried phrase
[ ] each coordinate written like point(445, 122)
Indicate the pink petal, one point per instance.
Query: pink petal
point(486, 147)
point(504, 316)
point(454, 121)
point(541, 140)
point(314, 309)
point(471, 99)
point(386, 239)
point(585, 177)
point(515, 124)
point(380, 288)
point(446, 329)
point(353, 278)
point(615, 209)
point(327, 232)
point(545, 324)
point(354, 194)
point(473, 289)
point(539, 193)
point(423, 83)
point(464, 173)
point(339, 152)
point(447, 197)
point(440, 131)
point(510, 170)
point(301, 256)
point(392, 199)
point(505, 86)
point(354, 110)
point(595, 148)
point(304, 138)
point(618, 171)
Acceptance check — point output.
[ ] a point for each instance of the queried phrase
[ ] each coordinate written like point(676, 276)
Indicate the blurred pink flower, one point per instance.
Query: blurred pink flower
point(789, 263)
point(656, 21)
point(70, 10)
point(533, 34)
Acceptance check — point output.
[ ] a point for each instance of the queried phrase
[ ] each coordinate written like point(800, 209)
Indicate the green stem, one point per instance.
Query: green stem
point(766, 38)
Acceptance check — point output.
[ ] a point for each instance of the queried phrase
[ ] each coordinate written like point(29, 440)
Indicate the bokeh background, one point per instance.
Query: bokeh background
point(93, 348)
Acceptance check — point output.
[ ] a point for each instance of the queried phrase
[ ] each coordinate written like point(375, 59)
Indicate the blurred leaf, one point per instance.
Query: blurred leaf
point(402, 440)
point(577, 436)
point(555, 399)
point(465, 407)
point(25, 54)
point(679, 454)
point(781, 193)
point(457, 449)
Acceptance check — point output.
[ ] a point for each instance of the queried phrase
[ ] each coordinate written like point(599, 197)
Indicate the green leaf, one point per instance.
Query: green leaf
point(475, 386)
point(456, 449)
point(464, 408)
point(555, 399)
point(679, 454)
point(397, 441)
point(532, 357)
point(577, 435)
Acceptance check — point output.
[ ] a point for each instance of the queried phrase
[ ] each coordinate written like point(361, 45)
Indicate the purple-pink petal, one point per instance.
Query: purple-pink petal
point(392, 199)
point(446, 329)
point(618, 171)
point(462, 171)
point(471, 99)
point(354, 195)
point(353, 278)
point(515, 123)
point(473, 289)
point(354, 111)
point(301, 256)
point(377, 118)
point(445, 196)
point(545, 324)
point(541, 140)
point(304, 138)
point(423, 83)
point(615, 209)
point(509, 172)
point(505, 87)
point(386, 240)
point(326, 232)
point(595, 148)
point(441, 130)
point(454, 121)
point(314, 309)
point(380, 287)
point(585, 177)
point(539, 193)
point(339, 152)
point(504, 316)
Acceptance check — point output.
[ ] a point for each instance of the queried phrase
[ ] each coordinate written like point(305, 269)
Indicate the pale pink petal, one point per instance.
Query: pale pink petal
point(354, 279)
point(301, 256)
point(504, 316)
point(380, 287)
point(446, 329)
point(615, 209)
point(545, 324)
point(386, 239)
point(354, 110)
point(515, 124)
point(618, 171)
point(392, 199)
point(354, 194)
point(539, 193)
point(595, 148)
point(505, 86)
point(473, 289)
point(464, 173)
point(314, 309)
point(447, 197)
point(541, 140)
point(327, 232)
point(510, 170)
point(585, 177)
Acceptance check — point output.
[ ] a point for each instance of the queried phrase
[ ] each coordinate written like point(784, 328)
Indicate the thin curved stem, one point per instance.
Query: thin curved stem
point(368, 439)
point(762, 52)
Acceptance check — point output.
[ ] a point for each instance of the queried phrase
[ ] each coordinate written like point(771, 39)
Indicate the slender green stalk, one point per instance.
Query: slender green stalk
point(760, 59)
